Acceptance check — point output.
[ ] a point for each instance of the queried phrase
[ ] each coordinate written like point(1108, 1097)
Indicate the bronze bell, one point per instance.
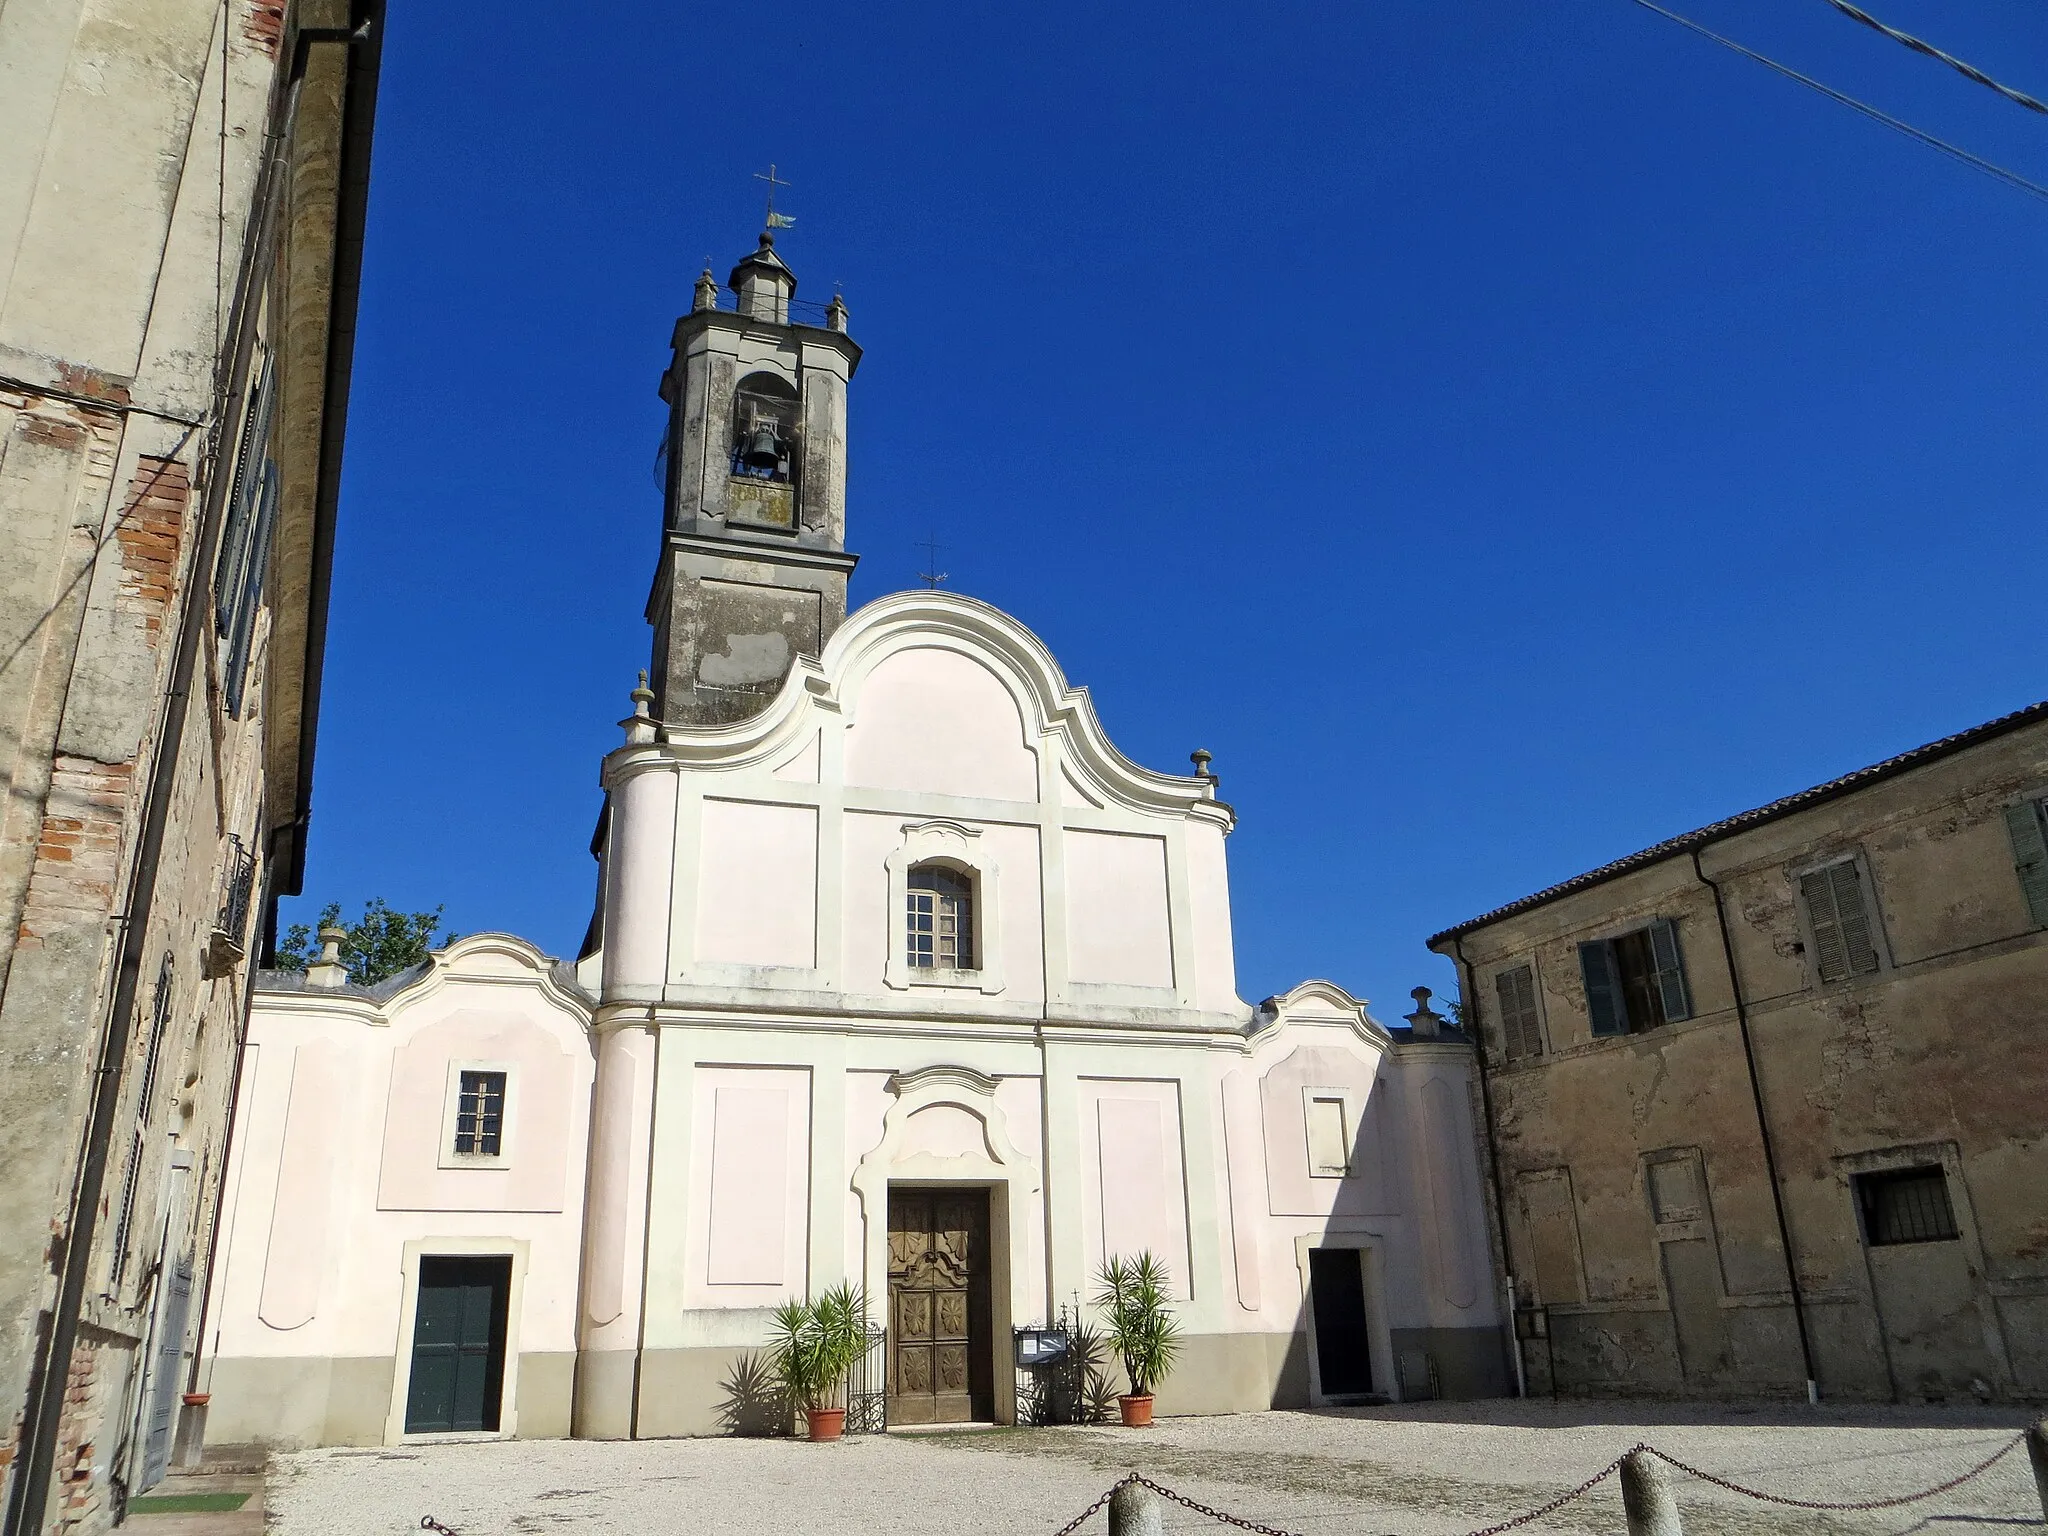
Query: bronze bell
point(764, 448)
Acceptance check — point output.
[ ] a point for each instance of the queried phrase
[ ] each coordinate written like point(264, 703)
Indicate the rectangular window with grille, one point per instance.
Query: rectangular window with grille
point(1839, 914)
point(1635, 981)
point(480, 1115)
point(1906, 1205)
point(2027, 824)
point(1521, 1032)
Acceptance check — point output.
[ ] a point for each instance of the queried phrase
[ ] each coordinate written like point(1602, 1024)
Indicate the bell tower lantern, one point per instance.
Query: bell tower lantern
point(753, 564)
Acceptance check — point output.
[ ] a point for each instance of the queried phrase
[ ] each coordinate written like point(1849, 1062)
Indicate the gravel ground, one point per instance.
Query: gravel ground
point(1437, 1469)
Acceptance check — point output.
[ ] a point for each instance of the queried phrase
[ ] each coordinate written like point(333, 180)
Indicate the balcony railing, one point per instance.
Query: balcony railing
point(227, 946)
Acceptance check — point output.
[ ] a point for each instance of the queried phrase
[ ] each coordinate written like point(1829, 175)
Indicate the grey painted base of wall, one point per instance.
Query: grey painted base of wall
point(291, 1402)
point(1469, 1362)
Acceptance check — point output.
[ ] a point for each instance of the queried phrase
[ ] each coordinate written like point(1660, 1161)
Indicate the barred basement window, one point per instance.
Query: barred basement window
point(939, 913)
point(1841, 922)
point(1905, 1205)
point(480, 1115)
point(1635, 981)
point(1521, 1033)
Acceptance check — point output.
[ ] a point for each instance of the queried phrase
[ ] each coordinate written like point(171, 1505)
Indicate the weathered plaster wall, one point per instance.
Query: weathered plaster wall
point(133, 132)
point(1932, 1060)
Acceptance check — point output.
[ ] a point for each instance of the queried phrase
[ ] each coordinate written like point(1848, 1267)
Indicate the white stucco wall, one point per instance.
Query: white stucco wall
point(339, 1181)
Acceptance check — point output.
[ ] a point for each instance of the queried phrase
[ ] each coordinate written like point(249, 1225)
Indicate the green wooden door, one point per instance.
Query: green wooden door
point(458, 1345)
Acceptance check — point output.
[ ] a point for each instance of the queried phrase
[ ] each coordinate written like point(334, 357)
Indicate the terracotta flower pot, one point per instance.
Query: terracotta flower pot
point(826, 1423)
point(1137, 1411)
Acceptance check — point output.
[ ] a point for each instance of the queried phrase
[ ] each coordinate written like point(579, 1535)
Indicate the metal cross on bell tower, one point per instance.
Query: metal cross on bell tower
point(773, 220)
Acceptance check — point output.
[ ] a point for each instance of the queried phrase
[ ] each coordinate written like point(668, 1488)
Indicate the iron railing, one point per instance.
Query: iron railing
point(867, 1387)
point(236, 891)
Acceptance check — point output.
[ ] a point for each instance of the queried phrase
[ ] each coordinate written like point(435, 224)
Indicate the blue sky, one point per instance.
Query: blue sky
point(1504, 434)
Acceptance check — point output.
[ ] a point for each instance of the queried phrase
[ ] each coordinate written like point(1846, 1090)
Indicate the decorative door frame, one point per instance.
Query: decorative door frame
point(518, 1250)
point(1009, 1176)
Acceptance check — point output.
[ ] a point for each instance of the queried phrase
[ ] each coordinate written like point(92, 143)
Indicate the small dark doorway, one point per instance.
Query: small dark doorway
point(458, 1345)
point(940, 1367)
point(1336, 1290)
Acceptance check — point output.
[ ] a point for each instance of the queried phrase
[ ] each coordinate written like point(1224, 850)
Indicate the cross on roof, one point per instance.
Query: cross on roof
point(773, 181)
point(931, 576)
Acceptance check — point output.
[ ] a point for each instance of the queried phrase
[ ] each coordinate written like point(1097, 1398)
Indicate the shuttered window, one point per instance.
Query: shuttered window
point(1840, 918)
point(1635, 981)
point(245, 540)
point(2028, 825)
point(1521, 1034)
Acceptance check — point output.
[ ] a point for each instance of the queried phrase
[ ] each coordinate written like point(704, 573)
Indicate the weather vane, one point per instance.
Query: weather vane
point(931, 576)
point(775, 220)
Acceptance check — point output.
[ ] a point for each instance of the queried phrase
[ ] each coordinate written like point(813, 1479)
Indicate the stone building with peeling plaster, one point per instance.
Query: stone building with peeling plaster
point(1813, 1029)
point(901, 975)
point(182, 188)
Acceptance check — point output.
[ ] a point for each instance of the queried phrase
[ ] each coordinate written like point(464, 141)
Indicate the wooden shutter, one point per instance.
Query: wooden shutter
point(1521, 1035)
point(1603, 988)
point(250, 596)
point(2030, 854)
point(231, 565)
point(1840, 917)
point(1671, 989)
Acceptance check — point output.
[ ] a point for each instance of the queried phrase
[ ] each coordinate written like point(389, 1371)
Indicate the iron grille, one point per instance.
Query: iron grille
point(1906, 1205)
point(236, 891)
point(867, 1387)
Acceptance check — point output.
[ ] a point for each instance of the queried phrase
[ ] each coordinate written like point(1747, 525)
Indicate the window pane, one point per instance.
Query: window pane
point(480, 1115)
point(1642, 999)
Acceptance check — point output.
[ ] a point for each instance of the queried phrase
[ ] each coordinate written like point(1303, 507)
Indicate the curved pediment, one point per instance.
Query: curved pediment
point(944, 694)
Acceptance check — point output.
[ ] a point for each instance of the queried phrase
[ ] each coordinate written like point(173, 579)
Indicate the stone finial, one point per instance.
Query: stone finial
point(1201, 759)
point(1425, 1020)
point(707, 289)
point(835, 313)
point(640, 725)
point(328, 971)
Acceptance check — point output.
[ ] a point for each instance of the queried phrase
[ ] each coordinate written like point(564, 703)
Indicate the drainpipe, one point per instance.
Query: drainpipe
point(1469, 992)
point(1763, 1127)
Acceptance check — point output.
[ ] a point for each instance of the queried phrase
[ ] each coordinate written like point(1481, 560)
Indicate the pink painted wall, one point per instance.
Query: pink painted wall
point(941, 723)
point(758, 884)
point(1118, 929)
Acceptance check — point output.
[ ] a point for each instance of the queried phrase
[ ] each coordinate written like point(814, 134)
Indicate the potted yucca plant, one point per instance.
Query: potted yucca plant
point(817, 1343)
point(1142, 1329)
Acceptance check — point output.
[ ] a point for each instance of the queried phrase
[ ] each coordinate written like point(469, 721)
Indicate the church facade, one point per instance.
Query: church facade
point(900, 974)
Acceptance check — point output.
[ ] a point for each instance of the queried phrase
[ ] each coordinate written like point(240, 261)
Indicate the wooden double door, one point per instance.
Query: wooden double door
point(941, 1369)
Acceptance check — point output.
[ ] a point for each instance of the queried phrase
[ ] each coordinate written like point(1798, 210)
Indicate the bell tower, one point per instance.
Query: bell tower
point(753, 563)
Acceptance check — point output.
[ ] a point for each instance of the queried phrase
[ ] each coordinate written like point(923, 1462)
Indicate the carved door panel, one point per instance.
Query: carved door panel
point(939, 1365)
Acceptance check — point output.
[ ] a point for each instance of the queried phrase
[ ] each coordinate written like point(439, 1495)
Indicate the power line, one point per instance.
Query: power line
point(1975, 162)
point(1968, 71)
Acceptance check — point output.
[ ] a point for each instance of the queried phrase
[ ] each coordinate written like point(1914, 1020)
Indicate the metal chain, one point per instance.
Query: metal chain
point(1203, 1509)
point(1540, 1511)
point(1081, 1519)
point(429, 1523)
point(1559, 1503)
point(1905, 1498)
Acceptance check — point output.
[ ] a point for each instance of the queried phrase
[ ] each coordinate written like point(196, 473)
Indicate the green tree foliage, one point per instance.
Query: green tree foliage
point(380, 943)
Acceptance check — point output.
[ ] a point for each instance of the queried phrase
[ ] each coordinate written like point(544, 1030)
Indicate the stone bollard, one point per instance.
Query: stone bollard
point(2037, 1453)
point(1135, 1510)
point(1646, 1496)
